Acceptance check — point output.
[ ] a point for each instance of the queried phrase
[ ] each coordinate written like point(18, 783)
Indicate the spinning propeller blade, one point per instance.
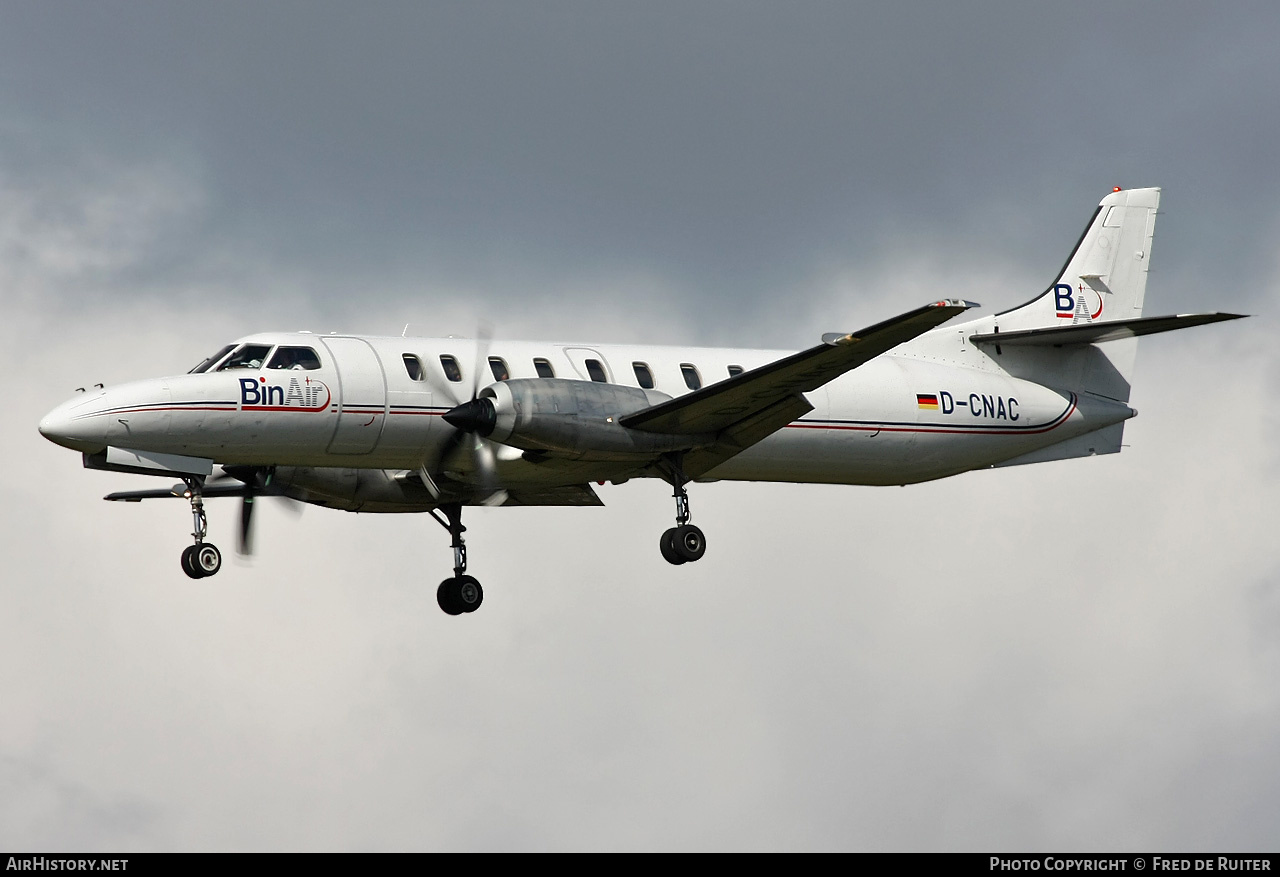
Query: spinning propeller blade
point(258, 482)
point(472, 420)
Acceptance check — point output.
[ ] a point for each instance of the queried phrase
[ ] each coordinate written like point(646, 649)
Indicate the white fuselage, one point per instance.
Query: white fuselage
point(933, 407)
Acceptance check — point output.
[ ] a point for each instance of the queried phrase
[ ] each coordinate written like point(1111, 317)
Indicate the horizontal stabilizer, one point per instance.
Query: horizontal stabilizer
point(1095, 333)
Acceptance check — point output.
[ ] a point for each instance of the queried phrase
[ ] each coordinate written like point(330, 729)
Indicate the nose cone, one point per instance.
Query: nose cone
point(76, 424)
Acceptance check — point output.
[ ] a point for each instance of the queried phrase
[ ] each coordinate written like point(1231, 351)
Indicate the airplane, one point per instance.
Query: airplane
point(404, 424)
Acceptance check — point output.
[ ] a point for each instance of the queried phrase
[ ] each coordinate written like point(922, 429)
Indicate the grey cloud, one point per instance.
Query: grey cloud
point(725, 147)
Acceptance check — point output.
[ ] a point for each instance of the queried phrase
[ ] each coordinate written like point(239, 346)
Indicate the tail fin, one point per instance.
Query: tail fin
point(1081, 334)
point(1105, 278)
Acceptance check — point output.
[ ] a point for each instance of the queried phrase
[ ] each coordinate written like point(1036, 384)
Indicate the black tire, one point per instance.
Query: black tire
point(189, 563)
point(206, 558)
point(446, 596)
point(468, 593)
point(667, 544)
point(689, 543)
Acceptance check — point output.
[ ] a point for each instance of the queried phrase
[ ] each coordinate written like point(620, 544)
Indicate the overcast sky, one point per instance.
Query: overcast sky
point(1074, 656)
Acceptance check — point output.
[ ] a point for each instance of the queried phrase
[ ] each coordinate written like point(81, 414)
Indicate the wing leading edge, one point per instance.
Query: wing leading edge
point(742, 410)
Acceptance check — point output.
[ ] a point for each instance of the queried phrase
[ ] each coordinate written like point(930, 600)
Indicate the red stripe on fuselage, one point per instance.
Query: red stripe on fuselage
point(946, 430)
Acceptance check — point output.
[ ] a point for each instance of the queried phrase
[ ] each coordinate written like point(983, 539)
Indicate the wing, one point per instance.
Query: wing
point(177, 491)
point(573, 494)
point(743, 410)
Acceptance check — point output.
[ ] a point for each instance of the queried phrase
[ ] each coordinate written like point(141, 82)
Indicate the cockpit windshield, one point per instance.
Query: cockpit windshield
point(295, 358)
point(206, 364)
point(250, 356)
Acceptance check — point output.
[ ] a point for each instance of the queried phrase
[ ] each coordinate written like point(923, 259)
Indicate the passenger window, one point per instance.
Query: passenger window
point(544, 369)
point(250, 356)
point(735, 370)
point(644, 377)
point(413, 367)
point(450, 366)
point(295, 358)
point(596, 370)
point(691, 377)
point(498, 366)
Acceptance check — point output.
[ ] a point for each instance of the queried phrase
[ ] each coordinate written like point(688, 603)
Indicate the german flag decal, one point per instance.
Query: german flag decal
point(927, 400)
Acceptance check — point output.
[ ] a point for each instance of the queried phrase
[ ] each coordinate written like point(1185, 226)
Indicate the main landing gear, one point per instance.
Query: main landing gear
point(462, 593)
point(683, 543)
point(203, 558)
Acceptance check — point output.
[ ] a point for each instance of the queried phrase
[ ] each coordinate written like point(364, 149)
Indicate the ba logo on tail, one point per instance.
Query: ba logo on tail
point(1077, 305)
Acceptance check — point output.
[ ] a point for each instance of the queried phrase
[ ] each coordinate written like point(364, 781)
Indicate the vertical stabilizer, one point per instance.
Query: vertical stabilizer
point(1105, 278)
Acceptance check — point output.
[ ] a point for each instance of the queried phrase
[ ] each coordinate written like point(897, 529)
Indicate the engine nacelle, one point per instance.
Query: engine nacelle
point(575, 417)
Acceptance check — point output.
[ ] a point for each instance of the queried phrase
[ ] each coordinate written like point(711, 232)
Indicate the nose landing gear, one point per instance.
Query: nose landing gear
point(203, 558)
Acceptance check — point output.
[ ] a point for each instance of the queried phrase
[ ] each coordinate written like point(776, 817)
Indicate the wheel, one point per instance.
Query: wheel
point(189, 564)
point(446, 596)
point(459, 595)
point(469, 593)
point(668, 546)
point(206, 558)
point(689, 543)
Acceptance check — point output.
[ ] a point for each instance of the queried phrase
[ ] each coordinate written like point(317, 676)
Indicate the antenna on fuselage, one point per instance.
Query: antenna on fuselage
point(405, 330)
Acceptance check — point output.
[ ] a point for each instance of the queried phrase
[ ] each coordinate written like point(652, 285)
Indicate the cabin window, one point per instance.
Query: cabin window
point(295, 358)
point(451, 369)
point(498, 366)
point(250, 356)
point(644, 377)
point(691, 378)
point(543, 368)
point(206, 364)
point(596, 370)
point(735, 370)
point(413, 367)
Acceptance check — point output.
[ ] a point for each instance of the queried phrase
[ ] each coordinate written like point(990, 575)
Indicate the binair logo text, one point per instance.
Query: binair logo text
point(307, 394)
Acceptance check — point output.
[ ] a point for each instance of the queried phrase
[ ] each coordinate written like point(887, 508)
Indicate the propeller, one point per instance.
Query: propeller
point(257, 482)
point(468, 445)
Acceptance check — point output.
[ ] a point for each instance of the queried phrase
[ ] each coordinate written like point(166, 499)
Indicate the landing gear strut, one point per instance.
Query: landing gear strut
point(683, 543)
point(203, 558)
point(462, 593)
